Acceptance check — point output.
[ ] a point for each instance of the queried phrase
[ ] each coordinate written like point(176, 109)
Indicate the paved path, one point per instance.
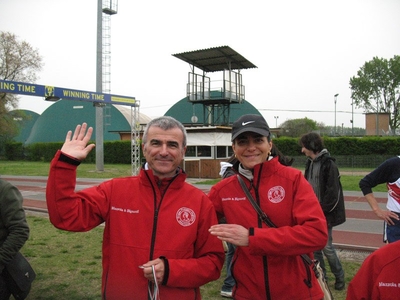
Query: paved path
point(362, 230)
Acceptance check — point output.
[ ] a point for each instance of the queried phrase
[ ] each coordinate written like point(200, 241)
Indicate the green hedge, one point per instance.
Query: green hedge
point(41, 151)
point(349, 151)
point(14, 151)
point(345, 145)
point(118, 152)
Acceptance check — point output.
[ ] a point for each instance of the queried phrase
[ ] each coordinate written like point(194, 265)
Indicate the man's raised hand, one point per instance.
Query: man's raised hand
point(77, 145)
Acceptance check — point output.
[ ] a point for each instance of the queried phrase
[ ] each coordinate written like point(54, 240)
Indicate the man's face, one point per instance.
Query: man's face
point(307, 152)
point(164, 151)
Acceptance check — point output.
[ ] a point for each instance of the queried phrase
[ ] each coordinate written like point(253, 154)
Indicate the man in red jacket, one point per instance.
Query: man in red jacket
point(379, 276)
point(156, 239)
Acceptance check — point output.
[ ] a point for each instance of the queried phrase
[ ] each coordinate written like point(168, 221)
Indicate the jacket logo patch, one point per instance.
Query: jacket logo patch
point(185, 216)
point(276, 194)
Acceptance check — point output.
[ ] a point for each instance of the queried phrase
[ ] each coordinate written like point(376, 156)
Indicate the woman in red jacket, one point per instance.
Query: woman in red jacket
point(267, 262)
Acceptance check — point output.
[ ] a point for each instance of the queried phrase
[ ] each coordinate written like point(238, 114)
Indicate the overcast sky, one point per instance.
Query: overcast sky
point(305, 51)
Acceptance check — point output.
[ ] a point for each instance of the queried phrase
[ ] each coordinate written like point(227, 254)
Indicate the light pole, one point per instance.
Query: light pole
point(276, 121)
point(352, 117)
point(335, 100)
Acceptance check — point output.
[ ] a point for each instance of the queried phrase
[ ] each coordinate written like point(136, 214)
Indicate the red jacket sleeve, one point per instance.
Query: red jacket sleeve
point(70, 210)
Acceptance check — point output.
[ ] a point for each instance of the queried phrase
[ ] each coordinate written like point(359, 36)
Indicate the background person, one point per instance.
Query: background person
point(14, 230)
point(156, 224)
point(323, 175)
point(388, 172)
point(229, 281)
point(265, 255)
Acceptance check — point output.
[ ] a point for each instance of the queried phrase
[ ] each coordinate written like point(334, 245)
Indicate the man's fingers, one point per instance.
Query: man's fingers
point(68, 136)
point(88, 134)
point(81, 133)
point(394, 215)
point(76, 132)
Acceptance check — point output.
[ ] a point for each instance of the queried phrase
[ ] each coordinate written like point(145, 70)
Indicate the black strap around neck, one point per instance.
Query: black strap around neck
point(263, 216)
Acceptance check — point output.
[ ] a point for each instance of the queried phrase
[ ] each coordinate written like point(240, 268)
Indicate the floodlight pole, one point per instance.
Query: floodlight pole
point(352, 117)
point(99, 89)
point(276, 121)
point(335, 100)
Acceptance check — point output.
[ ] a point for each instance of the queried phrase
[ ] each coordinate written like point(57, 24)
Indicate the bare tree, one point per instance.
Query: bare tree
point(18, 62)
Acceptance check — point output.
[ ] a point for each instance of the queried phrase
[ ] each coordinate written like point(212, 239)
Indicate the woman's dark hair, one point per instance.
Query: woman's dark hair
point(312, 141)
point(284, 160)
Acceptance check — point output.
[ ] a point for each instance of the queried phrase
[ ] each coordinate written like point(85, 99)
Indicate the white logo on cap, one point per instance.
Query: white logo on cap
point(245, 123)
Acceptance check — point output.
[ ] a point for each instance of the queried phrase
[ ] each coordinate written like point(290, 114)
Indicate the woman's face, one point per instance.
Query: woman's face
point(251, 149)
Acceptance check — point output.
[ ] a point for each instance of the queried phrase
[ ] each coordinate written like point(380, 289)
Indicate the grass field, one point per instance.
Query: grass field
point(68, 265)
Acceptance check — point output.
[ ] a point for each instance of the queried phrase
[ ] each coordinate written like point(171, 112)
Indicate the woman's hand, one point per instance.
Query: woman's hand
point(231, 233)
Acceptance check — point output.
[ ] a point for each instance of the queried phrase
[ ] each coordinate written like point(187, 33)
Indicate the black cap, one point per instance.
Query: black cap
point(250, 123)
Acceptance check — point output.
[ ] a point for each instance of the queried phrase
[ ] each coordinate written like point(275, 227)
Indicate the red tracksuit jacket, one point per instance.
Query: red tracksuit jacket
point(140, 225)
point(379, 276)
point(271, 267)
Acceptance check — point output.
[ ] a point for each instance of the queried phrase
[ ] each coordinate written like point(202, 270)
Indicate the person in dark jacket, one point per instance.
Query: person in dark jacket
point(229, 282)
point(323, 175)
point(14, 230)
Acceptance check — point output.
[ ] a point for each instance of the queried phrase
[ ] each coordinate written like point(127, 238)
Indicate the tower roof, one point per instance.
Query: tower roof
point(215, 59)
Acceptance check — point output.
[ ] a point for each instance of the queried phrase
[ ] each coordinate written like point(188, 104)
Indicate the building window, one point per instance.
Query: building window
point(221, 152)
point(190, 151)
point(224, 151)
point(198, 151)
point(203, 151)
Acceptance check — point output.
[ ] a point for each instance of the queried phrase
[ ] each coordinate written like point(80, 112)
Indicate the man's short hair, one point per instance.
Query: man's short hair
point(165, 123)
